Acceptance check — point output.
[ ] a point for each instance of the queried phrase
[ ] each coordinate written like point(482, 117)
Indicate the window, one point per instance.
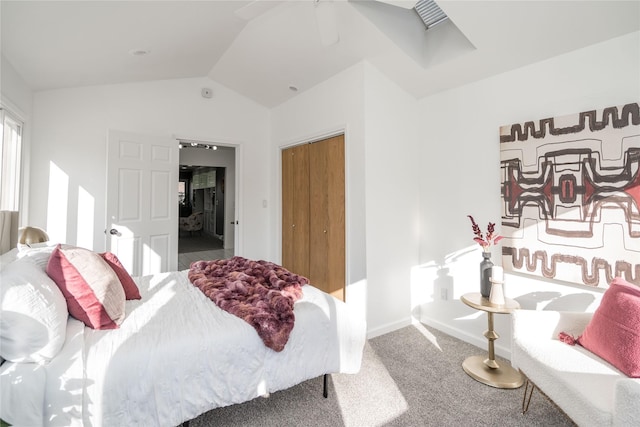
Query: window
point(182, 190)
point(10, 162)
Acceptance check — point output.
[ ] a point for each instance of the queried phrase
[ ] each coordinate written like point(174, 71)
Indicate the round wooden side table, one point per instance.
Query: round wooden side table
point(483, 369)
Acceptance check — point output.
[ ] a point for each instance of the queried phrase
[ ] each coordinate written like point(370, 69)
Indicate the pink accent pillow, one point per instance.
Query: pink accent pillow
point(131, 290)
point(92, 289)
point(614, 330)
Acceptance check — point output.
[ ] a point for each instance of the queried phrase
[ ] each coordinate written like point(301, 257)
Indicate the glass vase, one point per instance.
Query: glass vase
point(485, 274)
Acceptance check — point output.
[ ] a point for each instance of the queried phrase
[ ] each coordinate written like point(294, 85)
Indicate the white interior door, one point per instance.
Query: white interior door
point(142, 202)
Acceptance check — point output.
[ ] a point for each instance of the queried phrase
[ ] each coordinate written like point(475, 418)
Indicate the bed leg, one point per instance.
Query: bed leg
point(325, 390)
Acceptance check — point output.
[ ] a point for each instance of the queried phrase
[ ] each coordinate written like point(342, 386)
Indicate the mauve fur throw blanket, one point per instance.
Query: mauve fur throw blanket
point(260, 292)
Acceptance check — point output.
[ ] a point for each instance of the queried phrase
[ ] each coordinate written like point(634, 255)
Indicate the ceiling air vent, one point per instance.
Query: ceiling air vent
point(430, 13)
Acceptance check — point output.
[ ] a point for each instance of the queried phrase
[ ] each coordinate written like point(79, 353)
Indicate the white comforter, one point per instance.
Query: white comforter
point(178, 355)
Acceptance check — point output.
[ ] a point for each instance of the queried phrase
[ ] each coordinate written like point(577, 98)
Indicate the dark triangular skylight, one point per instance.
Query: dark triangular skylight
point(430, 13)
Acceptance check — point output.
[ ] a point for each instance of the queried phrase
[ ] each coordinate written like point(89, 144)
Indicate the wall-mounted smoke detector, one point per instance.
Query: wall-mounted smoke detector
point(206, 92)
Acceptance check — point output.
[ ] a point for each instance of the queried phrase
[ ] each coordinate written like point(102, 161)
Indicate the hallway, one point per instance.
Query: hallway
point(185, 259)
point(197, 247)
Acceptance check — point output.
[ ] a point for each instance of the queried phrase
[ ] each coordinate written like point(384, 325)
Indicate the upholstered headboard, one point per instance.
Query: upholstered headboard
point(8, 230)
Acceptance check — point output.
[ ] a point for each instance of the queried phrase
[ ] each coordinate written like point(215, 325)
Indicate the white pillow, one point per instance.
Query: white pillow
point(37, 252)
point(34, 314)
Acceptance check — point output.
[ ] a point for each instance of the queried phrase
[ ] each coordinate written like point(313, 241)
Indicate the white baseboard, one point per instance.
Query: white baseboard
point(502, 347)
point(388, 327)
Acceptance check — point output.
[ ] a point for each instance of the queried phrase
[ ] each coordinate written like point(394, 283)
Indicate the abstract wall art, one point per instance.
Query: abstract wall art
point(570, 192)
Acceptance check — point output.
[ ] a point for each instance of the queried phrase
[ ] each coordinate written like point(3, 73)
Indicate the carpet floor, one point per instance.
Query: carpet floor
point(410, 377)
point(197, 243)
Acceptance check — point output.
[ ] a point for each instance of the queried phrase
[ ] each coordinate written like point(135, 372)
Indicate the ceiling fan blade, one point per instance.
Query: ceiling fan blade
point(256, 8)
point(327, 22)
point(406, 4)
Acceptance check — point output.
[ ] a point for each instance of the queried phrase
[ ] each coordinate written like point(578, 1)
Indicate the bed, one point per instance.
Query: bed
point(174, 356)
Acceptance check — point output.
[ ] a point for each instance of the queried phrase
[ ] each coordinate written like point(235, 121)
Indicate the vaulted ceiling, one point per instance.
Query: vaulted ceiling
point(261, 48)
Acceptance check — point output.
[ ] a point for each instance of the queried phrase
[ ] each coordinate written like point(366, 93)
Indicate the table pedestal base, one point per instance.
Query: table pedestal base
point(500, 377)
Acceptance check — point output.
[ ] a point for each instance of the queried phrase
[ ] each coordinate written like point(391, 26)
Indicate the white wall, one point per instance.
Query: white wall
point(70, 129)
point(14, 89)
point(460, 175)
point(392, 201)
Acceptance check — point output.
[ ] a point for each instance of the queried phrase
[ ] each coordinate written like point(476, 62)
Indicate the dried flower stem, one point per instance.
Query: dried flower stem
point(480, 239)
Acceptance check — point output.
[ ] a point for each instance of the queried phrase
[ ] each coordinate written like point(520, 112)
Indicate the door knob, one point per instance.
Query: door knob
point(114, 232)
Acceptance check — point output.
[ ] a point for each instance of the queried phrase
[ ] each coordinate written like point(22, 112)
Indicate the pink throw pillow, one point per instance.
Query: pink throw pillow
point(92, 289)
point(614, 330)
point(131, 290)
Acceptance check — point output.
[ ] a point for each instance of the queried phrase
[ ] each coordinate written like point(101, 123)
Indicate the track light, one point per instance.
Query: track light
point(181, 144)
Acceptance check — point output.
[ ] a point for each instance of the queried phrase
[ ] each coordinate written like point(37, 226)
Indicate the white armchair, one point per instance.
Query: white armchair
point(588, 389)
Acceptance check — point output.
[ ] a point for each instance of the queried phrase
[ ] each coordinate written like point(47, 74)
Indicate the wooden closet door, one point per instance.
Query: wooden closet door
point(327, 217)
point(295, 209)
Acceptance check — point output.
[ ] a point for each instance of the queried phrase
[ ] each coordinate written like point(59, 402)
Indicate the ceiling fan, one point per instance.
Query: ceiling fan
point(323, 10)
point(405, 4)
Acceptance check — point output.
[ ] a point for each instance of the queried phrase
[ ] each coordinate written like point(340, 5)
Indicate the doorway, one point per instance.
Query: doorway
point(206, 193)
